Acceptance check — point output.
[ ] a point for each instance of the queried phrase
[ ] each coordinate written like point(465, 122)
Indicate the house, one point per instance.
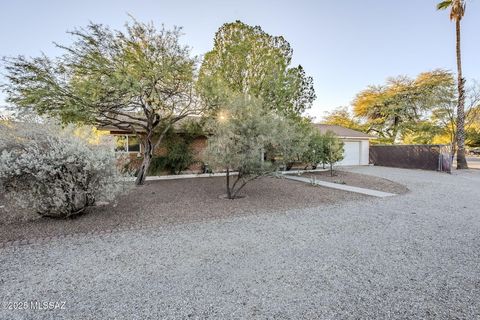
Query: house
point(357, 144)
point(127, 143)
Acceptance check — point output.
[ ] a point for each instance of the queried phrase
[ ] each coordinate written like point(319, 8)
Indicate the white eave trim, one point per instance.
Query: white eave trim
point(357, 138)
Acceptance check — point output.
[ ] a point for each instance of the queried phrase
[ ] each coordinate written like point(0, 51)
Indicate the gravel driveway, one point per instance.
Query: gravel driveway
point(406, 257)
point(181, 201)
point(473, 162)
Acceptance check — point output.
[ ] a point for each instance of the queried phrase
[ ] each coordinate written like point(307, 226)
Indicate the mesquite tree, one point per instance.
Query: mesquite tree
point(392, 109)
point(139, 80)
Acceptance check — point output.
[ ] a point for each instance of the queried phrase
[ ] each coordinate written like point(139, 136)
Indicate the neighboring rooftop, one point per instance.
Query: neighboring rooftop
point(342, 132)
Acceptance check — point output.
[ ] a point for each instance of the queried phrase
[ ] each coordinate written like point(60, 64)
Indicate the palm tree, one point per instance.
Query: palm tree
point(457, 10)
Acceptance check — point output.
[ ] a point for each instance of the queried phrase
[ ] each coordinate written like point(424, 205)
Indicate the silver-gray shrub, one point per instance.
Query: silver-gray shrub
point(54, 172)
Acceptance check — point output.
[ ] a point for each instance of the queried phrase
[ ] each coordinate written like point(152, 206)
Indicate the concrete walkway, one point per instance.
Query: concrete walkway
point(218, 174)
point(369, 192)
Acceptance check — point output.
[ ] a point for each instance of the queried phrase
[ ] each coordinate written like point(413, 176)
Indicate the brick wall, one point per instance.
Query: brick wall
point(198, 146)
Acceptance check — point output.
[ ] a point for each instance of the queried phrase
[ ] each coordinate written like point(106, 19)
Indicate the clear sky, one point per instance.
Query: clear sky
point(345, 45)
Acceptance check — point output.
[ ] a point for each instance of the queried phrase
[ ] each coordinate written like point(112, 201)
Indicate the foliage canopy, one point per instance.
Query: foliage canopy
point(140, 80)
point(398, 105)
point(242, 134)
point(247, 60)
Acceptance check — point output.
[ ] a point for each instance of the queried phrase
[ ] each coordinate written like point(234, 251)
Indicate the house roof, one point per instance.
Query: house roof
point(342, 132)
point(177, 125)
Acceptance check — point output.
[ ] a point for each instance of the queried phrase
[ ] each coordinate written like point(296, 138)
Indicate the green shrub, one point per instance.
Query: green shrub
point(179, 157)
point(157, 166)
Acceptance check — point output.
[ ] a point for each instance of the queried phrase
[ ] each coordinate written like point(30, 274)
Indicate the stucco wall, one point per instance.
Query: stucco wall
point(364, 152)
point(362, 156)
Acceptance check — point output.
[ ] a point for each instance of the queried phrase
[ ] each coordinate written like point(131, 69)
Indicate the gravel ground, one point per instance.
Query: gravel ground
point(413, 256)
point(473, 162)
point(179, 201)
point(358, 180)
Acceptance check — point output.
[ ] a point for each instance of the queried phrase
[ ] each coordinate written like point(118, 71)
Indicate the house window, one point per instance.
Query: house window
point(126, 143)
point(133, 144)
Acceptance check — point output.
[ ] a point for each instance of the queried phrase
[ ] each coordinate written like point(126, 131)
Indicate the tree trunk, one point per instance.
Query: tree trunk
point(229, 192)
point(395, 130)
point(461, 160)
point(147, 159)
point(244, 183)
point(453, 150)
point(148, 149)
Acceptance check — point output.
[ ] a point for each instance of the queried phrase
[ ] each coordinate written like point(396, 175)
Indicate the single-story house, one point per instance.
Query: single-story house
point(127, 143)
point(357, 144)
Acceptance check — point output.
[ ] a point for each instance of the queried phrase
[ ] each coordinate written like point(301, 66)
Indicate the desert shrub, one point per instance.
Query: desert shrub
point(52, 172)
point(157, 166)
point(323, 149)
point(179, 156)
point(333, 150)
point(316, 151)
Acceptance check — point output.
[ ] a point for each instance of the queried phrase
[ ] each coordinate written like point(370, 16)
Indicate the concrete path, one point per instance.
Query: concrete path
point(369, 192)
point(210, 175)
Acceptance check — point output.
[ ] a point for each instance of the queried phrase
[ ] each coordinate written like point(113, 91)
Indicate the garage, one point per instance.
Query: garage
point(351, 153)
point(356, 144)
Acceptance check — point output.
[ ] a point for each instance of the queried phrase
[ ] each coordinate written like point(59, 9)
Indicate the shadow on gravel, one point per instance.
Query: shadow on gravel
point(181, 201)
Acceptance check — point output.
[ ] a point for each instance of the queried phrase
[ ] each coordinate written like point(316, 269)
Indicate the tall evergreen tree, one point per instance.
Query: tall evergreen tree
point(247, 60)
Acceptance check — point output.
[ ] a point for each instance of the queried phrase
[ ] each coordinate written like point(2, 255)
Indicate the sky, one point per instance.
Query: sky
point(344, 45)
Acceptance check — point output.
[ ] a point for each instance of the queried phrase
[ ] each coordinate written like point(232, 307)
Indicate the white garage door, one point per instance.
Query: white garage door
point(351, 153)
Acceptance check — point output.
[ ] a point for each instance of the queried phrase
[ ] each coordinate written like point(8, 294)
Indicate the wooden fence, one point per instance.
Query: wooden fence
point(426, 157)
